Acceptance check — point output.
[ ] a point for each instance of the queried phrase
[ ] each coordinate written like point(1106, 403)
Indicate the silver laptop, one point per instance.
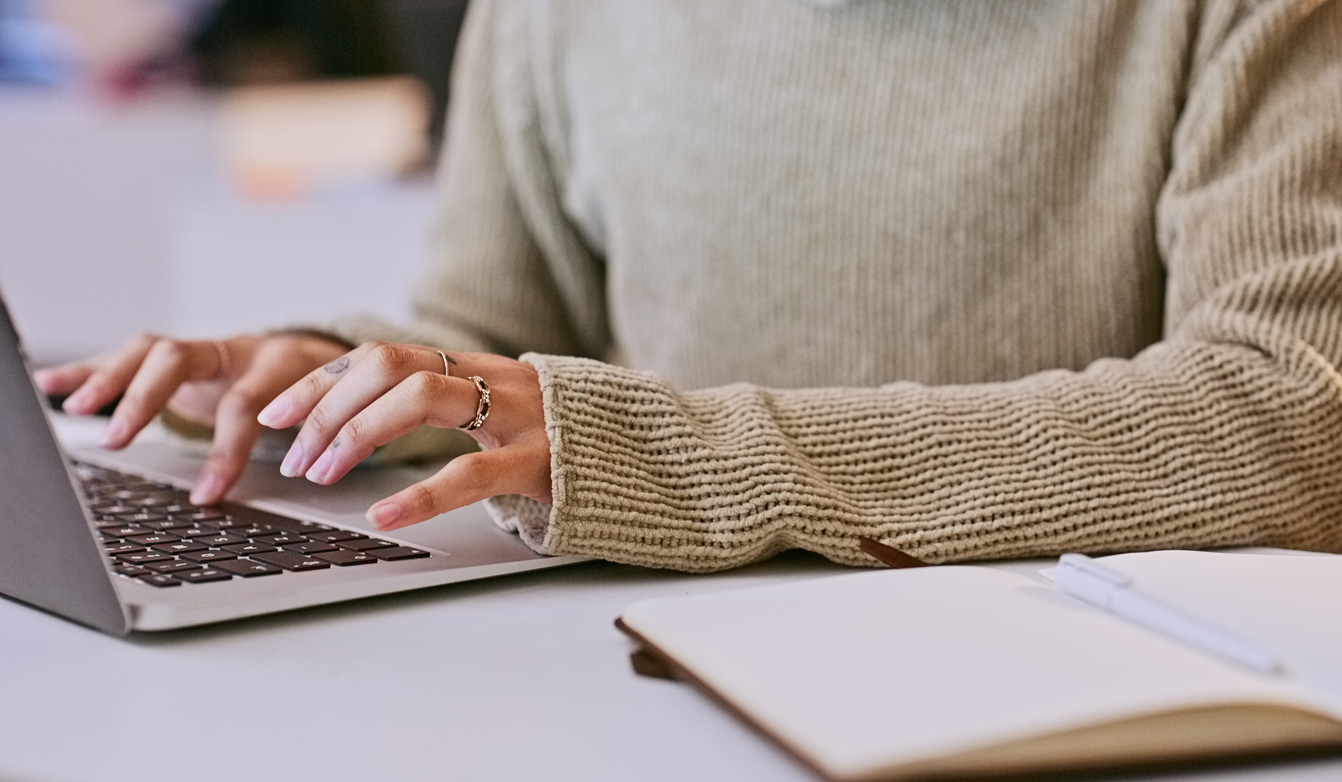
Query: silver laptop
point(109, 539)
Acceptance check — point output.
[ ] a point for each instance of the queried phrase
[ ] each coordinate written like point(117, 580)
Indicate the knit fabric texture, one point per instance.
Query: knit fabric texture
point(980, 280)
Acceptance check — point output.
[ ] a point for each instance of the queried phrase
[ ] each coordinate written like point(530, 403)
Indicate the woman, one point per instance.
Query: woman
point(979, 280)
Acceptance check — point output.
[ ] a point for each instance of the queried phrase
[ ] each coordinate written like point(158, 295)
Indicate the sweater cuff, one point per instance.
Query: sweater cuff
point(631, 482)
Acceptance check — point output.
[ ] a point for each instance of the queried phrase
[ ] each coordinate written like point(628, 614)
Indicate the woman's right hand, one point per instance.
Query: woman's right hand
point(223, 384)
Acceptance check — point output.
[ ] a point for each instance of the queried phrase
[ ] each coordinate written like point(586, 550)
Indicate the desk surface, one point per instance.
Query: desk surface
point(520, 677)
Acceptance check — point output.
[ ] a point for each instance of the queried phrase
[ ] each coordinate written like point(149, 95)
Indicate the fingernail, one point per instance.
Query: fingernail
point(274, 412)
point(207, 491)
point(76, 403)
point(293, 460)
point(112, 434)
point(383, 516)
point(319, 471)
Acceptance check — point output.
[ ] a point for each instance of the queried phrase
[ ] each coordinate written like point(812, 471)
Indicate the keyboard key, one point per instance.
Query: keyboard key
point(132, 571)
point(335, 535)
point(225, 524)
point(152, 540)
point(281, 539)
point(167, 524)
point(179, 547)
point(141, 518)
point(191, 533)
point(117, 509)
point(219, 541)
point(126, 530)
point(398, 553)
point(203, 576)
point(365, 544)
point(172, 566)
point(254, 531)
point(206, 515)
point(298, 526)
point(247, 568)
point(160, 581)
point(122, 548)
point(291, 561)
point(345, 558)
point(248, 549)
point(309, 548)
point(212, 555)
point(142, 557)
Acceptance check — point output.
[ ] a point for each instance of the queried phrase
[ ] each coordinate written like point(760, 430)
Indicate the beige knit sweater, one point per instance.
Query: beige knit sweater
point(979, 279)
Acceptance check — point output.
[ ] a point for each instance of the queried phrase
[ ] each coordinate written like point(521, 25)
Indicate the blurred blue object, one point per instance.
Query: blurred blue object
point(33, 50)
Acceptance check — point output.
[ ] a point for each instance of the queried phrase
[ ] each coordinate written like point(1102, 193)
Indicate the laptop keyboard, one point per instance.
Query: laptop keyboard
point(153, 534)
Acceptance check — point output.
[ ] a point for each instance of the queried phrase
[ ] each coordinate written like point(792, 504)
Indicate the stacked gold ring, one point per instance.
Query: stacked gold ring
point(482, 408)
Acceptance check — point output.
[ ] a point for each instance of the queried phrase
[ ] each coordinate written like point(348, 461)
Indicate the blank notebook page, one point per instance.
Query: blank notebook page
point(863, 671)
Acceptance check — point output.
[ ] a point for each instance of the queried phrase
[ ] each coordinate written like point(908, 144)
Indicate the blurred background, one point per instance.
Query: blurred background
point(205, 167)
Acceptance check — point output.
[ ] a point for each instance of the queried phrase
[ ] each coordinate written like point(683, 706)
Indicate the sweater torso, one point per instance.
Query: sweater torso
point(795, 195)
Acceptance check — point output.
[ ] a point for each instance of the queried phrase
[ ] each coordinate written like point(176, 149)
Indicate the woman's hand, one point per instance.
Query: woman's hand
point(223, 384)
point(380, 391)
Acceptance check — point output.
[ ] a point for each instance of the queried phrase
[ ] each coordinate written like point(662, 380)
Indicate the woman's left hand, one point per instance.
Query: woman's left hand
point(380, 391)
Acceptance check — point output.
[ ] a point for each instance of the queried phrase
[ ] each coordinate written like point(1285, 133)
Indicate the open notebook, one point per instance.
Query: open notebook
point(962, 671)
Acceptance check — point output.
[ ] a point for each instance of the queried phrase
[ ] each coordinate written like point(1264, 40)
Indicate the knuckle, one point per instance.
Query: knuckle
point(352, 433)
point(421, 385)
point(239, 403)
point(391, 356)
point(319, 419)
point(313, 383)
point(169, 351)
point(223, 459)
point(423, 498)
point(472, 474)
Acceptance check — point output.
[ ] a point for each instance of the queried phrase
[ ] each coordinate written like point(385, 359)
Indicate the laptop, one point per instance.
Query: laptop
point(110, 540)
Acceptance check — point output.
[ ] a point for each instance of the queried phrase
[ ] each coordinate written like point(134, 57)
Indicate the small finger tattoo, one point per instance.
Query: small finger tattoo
point(449, 359)
point(337, 366)
point(335, 444)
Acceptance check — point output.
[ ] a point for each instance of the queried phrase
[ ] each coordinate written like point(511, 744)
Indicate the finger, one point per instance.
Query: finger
point(423, 398)
point(63, 379)
point(330, 397)
point(235, 425)
point(465, 479)
point(166, 365)
point(110, 377)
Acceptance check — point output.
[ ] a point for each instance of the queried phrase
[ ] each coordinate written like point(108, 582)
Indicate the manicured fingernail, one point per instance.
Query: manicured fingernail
point(77, 402)
point(113, 433)
point(318, 472)
point(274, 412)
point(207, 491)
point(292, 461)
point(383, 516)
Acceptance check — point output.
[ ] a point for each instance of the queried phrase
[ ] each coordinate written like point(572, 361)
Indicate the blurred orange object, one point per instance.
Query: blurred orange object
point(279, 142)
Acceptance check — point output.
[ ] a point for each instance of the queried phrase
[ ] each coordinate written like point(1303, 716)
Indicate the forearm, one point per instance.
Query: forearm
point(1187, 446)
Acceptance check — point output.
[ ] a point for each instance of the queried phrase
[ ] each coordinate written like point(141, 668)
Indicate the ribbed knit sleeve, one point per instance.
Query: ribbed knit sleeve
point(1227, 432)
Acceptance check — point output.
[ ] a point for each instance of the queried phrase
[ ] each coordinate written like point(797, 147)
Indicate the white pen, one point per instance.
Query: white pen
point(1085, 579)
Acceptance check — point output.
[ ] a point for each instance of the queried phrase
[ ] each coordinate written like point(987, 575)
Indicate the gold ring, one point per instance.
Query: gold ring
point(447, 372)
point(482, 408)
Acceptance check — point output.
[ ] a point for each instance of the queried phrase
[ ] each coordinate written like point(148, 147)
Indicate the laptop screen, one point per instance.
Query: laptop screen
point(49, 556)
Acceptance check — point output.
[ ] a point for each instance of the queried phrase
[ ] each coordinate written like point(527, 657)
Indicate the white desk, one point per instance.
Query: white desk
point(516, 678)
